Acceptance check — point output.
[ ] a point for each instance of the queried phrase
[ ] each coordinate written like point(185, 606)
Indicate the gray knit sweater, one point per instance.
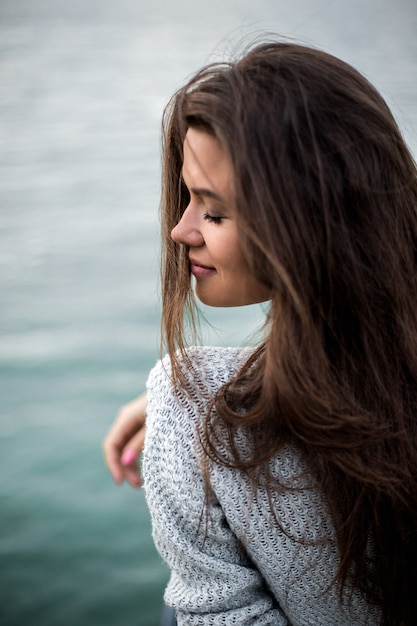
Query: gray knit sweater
point(237, 565)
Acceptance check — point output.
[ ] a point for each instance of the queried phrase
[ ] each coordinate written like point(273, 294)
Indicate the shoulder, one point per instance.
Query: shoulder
point(172, 459)
point(175, 415)
point(205, 370)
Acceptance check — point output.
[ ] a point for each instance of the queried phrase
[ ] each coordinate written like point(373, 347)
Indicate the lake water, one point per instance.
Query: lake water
point(83, 85)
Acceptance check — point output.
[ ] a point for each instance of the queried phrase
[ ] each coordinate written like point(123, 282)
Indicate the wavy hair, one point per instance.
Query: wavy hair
point(326, 194)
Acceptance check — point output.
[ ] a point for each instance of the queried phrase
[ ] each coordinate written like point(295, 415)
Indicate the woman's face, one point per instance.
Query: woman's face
point(208, 226)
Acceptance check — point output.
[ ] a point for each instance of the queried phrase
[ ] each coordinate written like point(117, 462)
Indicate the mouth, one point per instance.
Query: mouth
point(199, 270)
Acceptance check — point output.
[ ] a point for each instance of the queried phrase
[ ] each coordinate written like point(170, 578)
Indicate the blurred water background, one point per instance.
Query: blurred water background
point(83, 85)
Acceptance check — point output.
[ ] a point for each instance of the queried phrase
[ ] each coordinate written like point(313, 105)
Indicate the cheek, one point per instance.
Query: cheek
point(236, 260)
point(229, 249)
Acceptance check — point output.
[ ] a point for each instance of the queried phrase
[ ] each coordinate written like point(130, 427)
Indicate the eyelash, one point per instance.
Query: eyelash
point(213, 219)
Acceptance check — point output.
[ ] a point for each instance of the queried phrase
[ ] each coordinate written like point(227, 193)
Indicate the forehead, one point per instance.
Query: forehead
point(206, 163)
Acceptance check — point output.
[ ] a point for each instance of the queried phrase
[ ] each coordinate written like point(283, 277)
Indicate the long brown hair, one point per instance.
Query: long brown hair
point(326, 193)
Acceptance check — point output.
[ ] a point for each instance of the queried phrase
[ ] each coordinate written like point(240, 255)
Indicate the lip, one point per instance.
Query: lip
point(199, 270)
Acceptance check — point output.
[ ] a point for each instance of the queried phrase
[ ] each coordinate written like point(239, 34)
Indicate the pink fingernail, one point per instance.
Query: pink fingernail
point(128, 457)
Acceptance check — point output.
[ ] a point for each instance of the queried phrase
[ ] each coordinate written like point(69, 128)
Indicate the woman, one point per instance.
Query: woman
point(282, 480)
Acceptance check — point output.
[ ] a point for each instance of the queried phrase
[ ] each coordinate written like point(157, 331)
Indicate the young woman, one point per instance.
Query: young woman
point(282, 479)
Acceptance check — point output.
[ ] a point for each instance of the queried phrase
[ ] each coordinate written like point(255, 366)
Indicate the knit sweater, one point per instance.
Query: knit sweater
point(231, 561)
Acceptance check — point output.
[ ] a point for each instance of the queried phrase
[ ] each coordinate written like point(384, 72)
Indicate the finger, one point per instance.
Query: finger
point(130, 465)
point(112, 458)
point(132, 475)
point(130, 456)
point(126, 432)
point(113, 445)
point(134, 446)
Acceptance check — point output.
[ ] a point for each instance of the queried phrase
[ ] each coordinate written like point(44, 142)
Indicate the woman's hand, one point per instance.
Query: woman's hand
point(124, 442)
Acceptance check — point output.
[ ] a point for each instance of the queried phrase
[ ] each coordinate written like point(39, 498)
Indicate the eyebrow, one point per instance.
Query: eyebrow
point(206, 193)
point(203, 192)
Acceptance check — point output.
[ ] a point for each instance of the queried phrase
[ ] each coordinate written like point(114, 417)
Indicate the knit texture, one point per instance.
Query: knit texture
point(232, 562)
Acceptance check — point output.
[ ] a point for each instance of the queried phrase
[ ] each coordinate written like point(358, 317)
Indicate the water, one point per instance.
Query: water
point(83, 87)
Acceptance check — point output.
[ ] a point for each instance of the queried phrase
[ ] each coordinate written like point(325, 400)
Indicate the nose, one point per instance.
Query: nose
point(187, 230)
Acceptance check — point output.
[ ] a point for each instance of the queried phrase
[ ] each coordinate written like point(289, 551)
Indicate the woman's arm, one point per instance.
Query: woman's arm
point(124, 442)
point(213, 581)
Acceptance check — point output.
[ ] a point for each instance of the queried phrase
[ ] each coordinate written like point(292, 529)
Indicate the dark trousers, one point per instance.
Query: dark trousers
point(168, 617)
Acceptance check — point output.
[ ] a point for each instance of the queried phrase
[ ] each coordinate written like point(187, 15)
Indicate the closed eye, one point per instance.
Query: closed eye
point(213, 219)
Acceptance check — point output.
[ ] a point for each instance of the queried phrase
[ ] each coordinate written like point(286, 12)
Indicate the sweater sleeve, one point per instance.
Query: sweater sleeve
point(213, 582)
